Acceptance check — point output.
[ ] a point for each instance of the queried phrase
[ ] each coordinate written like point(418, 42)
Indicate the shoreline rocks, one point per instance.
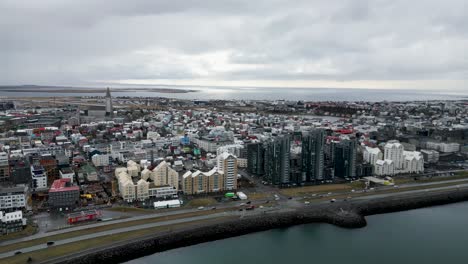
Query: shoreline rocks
point(342, 214)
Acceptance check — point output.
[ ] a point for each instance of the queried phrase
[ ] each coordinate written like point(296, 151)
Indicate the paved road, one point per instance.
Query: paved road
point(282, 205)
point(134, 228)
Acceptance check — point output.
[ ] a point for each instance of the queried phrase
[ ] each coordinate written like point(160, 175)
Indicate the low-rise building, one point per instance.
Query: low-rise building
point(11, 222)
point(100, 160)
point(12, 198)
point(67, 173)
point(63, 194)
point(430, 156)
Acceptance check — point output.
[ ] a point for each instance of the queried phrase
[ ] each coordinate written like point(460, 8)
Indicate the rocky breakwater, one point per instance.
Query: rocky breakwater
point(343, 214)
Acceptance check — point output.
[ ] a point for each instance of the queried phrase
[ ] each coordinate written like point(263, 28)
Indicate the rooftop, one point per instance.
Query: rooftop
point(63, 185)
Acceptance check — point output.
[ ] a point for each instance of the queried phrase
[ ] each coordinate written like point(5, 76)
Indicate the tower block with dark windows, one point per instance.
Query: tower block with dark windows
point(109, 109)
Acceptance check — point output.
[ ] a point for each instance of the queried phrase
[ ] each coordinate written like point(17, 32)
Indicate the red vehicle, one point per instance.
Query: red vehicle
point(82, 216)
point(250, 207)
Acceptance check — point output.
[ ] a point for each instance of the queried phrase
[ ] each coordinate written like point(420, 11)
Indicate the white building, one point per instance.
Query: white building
point(384, 167)
point(443, 147)
point(227, 164)
point(67, 173)
point(13, 197)
point(413, 162)
point(394, 151)
point(39, 177)
point(100, 160)
point(372, 155)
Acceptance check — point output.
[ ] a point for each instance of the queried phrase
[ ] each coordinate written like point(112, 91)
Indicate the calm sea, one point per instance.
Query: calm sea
point(309, 94)
point(431, 236)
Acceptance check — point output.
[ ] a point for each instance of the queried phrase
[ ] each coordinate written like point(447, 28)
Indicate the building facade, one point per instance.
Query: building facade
point(313, 155)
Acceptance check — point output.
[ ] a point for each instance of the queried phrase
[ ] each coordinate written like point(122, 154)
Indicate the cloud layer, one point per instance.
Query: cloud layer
point(350, 43)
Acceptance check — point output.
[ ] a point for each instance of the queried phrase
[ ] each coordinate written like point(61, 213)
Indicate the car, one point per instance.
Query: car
point(261, 207)
point(306, 202)
point(249, 202)
point(50, 243)
point(290, 198)
point(333, 200)
point(201, 208)
point(353, 190)
point(18, 252)
point(242, 204)
point(213, 208)
point(251, 207)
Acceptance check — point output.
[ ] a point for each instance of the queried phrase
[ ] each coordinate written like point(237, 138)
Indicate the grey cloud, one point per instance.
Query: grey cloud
point(72, 42)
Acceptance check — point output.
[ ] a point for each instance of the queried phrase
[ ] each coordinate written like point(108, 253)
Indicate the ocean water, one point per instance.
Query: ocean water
point(432, 235)
point(294, 94)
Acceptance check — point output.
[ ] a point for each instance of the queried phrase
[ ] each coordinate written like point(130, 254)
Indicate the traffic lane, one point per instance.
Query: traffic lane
point(138, 227)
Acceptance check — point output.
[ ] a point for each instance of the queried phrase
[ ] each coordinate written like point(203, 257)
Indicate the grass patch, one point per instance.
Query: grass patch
point(27, 231)
point(315, 189)
point(124, 209)
point(71, 248)
point(201, 202)
point(457, 176)
point(385, 191)
point(258, 196)
point(92, 230)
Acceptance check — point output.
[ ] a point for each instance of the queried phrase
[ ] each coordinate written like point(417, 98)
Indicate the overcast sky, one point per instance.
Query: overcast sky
point(347, 43)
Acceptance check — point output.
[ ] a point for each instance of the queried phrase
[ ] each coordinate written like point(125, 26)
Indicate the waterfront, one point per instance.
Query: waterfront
point(416, 236)
point(294, 94)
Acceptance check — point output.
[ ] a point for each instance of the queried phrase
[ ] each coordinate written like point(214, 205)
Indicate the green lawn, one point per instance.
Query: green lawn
point(27, 231)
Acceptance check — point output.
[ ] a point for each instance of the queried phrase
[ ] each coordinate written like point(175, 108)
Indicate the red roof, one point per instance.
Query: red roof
point(60, 185)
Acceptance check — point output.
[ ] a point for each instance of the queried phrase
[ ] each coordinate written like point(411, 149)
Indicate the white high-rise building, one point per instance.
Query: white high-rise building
point(384, 167)
point(372, 155)
point(227, 164)
point(394, 151)
point(413, 162)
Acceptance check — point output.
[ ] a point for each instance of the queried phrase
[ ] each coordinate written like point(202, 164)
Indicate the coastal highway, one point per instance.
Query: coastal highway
point(283, 206)
point(138, 227)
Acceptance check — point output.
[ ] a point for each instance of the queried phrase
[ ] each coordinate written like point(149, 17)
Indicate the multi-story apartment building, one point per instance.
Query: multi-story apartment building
point(277, 158)
point(372, 155)
point(164, 175)
point(227, 164)
point(393, 150)
point(12, 198)
point(39, 178)
point(199, 182)
point(345, 159)
point(255, 159)
point(313, 155)
point(63, 194)
point(4, 167)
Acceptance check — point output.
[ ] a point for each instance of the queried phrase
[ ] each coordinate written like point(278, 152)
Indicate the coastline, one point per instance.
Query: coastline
point(346, 215)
